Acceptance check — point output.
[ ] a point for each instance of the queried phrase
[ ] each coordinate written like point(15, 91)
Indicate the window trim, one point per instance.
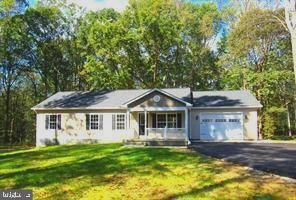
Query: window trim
point(165, 114)
point(89, 123)
point(57, 123)
point(115, 128)
point(166, 119)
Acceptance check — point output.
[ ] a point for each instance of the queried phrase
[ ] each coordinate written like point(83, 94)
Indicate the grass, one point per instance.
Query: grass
point(110, 171)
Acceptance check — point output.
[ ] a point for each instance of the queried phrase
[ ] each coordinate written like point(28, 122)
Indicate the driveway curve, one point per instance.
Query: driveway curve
point(276, 158)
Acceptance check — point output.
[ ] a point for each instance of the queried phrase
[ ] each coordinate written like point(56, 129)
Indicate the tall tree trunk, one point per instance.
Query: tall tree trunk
point(7, 115)
point(289, 121)
point(290, 15)
point(11, 132)
point(293, 41)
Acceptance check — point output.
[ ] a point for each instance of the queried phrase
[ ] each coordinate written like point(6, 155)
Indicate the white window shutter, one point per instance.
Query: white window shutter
point(113, 122)
point(59, 122)
point(46, 122)
point(87, 121)
point(101, 122)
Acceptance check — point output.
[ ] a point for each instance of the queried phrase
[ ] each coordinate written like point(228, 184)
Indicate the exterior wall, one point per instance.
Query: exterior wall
point(147, 101)
point(73, 128)
point(249, 120)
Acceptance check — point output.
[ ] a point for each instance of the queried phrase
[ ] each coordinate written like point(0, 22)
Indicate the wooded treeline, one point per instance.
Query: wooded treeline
point(54, 46)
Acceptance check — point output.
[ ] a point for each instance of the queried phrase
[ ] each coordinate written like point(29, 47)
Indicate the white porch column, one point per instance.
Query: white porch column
point(186, 124)
point(146, 133)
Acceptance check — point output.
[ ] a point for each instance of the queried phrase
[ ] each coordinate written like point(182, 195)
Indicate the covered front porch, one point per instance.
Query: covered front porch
point(159, 124)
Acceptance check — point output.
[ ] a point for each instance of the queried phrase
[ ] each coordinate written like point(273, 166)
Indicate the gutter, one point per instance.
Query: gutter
point(81, 108)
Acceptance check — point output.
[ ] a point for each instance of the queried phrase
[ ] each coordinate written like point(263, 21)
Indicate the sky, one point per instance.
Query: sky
point(94, 5)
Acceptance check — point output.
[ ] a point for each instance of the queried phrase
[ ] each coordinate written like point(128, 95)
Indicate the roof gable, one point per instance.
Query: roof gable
point(185, 99)
point(148, 101)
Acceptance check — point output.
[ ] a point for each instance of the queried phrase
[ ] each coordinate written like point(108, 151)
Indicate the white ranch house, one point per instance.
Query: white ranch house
point(176, 114)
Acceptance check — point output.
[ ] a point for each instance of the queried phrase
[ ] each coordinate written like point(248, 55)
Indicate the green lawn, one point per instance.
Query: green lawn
point(110, 171)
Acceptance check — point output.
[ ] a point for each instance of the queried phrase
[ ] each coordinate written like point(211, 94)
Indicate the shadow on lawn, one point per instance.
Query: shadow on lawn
point(194, 192)
point(96, 161)
point(208, 188)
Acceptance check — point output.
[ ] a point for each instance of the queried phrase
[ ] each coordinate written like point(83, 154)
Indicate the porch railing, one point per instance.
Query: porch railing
point(166, 133)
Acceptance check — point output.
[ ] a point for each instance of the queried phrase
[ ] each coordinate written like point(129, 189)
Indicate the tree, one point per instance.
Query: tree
point(153, 44)
point(257, 58)
point(13, 52)
point(290, 15)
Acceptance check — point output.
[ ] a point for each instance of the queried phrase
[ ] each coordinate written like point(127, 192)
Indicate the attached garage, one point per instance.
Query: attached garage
point(221, 126)
point(224, 115)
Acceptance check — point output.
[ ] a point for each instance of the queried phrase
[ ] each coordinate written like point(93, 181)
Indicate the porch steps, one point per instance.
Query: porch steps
point(156, 142)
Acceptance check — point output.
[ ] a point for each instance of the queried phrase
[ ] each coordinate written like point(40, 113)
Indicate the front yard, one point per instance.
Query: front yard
point(110, 171)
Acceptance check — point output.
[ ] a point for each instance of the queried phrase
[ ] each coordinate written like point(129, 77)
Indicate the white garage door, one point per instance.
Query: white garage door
point(226, 126)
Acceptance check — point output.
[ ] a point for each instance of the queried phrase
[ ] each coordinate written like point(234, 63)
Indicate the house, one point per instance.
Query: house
point(176, 114)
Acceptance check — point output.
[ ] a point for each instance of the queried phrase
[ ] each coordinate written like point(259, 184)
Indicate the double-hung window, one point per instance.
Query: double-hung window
point(118, 121)
point(94, 121)
point(161, 120)
point(53, 122)
point(172, 120)
point(167, 120)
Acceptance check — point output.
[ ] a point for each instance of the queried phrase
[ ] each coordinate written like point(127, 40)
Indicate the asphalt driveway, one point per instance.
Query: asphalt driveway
point(275, 158)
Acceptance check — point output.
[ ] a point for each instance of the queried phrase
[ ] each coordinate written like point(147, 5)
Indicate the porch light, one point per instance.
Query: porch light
point(246, 117)
point(196, 117)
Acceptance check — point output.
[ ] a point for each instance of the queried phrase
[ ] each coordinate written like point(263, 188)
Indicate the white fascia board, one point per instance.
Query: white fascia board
point(226, 107)
point(161, 91)
point(83, 108)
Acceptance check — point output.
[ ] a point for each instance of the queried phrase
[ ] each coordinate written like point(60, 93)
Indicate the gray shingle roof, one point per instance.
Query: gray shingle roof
point(236, 98)
point(102, 99)
point(118, 98)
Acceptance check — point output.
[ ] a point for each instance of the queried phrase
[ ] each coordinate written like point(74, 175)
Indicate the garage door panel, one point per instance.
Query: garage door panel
point(221, 126)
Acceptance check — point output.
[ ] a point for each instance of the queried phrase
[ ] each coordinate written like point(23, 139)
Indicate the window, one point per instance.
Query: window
point(220, 120)
point(118, 121)
point(169, 120)
point(172, 120)
point(94, 121)
point(207, 120)
point(234, 120)
point(53, 122)
point(161, 120)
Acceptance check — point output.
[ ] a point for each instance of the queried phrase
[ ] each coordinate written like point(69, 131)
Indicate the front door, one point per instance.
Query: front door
point(141, 123)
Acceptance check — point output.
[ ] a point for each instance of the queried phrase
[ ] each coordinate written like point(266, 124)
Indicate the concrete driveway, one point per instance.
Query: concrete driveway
point(275, 158)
